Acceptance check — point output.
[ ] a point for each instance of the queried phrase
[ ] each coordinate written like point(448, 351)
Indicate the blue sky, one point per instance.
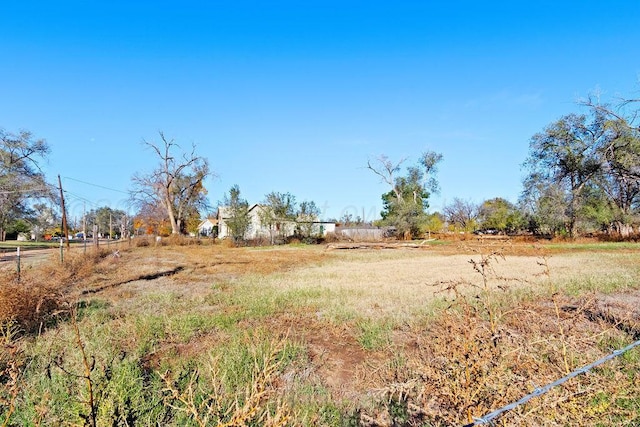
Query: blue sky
point(296, 96)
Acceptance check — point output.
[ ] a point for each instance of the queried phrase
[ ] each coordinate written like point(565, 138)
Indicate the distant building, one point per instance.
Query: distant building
point(258, 230)
point(207, 227)
point(362, 233)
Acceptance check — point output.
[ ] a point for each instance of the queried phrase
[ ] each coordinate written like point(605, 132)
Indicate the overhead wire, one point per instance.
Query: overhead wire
point(96, 185)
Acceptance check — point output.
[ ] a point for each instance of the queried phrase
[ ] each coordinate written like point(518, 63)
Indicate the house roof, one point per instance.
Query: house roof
point(224, 212)
point(212, 221)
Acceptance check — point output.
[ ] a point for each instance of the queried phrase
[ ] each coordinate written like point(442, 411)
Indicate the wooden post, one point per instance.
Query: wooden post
point(65, 227)
point(18, 260)
point(84, 226)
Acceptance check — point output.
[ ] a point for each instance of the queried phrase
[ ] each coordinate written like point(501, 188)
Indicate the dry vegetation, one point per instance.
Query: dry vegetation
point(178, 334)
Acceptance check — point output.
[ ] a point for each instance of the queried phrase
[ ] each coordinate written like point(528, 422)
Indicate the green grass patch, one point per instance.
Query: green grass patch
point(606, 285)
point(373, 334)
point(594, 246)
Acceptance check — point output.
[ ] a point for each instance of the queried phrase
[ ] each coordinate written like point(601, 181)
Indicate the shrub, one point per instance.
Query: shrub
point(142, 241)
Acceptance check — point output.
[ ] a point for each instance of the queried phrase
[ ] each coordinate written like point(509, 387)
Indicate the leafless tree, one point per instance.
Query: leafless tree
point(387, 170)
point(461, 213)
point(176, 184)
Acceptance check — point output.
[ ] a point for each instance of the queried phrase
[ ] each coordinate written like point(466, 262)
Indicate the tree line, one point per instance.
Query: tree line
point(582, 175)
point(584, 172)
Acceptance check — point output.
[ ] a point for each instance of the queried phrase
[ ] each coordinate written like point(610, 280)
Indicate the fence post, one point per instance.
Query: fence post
point(18, 262)
point(61, 252)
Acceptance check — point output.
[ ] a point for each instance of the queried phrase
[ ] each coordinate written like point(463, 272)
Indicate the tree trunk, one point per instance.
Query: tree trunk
point(622, 229)
point(175, 229)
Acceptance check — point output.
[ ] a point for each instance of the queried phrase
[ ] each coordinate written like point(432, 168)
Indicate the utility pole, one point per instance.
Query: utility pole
point(84, 221)
point(84, 226)
point(65, 227)
point(110, 226)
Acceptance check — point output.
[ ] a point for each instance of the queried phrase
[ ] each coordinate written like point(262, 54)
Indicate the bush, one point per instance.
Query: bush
point(142, 241)
point(41, 295)
point(26, 307)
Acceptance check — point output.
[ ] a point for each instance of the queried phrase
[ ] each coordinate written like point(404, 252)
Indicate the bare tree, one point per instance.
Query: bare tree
point(387, 170)
point(176, 184)
point(461, 213)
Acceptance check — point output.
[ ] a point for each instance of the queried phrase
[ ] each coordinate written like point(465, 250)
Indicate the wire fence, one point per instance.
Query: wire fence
point(490, 417)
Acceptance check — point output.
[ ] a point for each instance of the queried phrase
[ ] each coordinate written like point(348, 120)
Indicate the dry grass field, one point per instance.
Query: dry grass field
point(304, 335)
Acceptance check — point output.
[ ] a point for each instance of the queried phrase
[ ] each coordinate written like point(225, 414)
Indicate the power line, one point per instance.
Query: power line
point(87, 201)
point(79, 197)
point(96, 185)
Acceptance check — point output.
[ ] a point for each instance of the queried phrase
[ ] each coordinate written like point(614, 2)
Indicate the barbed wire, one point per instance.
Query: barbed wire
point(488, 419)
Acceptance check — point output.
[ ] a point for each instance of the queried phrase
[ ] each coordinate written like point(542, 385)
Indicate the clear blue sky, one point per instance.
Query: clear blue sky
point(296, 96)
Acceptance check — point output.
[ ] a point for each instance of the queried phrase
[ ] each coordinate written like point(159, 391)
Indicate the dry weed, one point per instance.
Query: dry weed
point(41, 293)
point(27, 306)
point(485, 351)
point(211, 405)
point(11, 369)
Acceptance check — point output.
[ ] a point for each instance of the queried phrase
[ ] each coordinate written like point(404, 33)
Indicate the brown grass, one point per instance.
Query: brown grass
point(41, 292)
point(461, 342)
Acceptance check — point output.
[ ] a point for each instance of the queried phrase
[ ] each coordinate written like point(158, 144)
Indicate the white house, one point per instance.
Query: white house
point(206, 227)
point(258, 230)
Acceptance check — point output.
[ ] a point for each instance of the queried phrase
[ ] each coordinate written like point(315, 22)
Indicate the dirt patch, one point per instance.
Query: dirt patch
point(168, 352)
point(620, 310)
point(338, 358)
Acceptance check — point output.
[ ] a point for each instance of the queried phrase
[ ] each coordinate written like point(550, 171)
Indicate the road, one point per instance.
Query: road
point(30, 256)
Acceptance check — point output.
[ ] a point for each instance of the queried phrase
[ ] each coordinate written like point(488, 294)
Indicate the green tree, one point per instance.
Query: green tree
point(307, 214)
point(278, 214)
point(566, 155)
point(108, 221)
point(236, 212)
point(43, 219)
point(501, 215)
point(434, 223)
point(405, 205)
point(16, 227)
point(177, 184)
point(545, 207)
point(620, 175)
point(597, 211)
point(21, 179)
